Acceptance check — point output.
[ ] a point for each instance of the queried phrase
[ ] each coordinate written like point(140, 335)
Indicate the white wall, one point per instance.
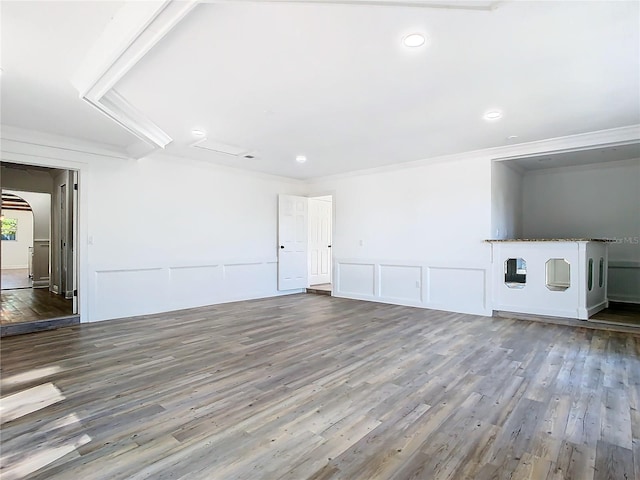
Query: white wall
point(168, 233)
point(598, 201)
point(506, 201)
point(15, 254)
point(422, 228)
point(414, 236)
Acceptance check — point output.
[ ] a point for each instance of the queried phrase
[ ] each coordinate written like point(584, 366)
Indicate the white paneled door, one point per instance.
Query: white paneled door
point(292, 242)
point(319, 241)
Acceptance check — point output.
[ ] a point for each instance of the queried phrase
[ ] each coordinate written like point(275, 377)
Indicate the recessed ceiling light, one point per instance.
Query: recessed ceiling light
point(414, 40)
point(493, 115)
point(301, 159)
point(197, 132)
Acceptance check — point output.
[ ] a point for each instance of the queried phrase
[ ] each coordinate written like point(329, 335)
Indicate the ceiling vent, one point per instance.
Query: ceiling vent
point(225, 148)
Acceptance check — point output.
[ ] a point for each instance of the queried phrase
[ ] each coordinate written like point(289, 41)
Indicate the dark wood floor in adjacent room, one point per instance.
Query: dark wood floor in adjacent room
point(32, 304)
point(315, 387)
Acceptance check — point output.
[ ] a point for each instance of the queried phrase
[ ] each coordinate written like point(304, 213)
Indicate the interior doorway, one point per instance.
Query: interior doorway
point(320, 238)
point(45, 253)
point(17, 242)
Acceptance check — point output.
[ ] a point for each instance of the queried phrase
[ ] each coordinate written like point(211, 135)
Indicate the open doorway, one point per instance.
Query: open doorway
point(320, 238)
point(17, 242)
point(38, 248)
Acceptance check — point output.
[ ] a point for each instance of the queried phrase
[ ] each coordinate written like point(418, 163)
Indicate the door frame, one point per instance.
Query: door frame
point(330, 239)
point(332, 194)
point(32, 155)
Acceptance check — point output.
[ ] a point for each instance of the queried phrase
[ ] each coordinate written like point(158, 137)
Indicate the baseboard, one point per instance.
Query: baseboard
point(624, 299)
point(595, 309)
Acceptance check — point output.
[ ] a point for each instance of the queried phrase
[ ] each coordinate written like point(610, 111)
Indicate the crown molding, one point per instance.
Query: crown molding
point(135, 29)
point(630, 162)
point(582, 141)
point(34, 143)
point(571, 143)
point(477, 5)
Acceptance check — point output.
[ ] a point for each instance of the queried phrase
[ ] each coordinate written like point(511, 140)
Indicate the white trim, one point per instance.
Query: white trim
point(54, 156)
point(576, 168)
point(625, 299)
point(594, 309)
point(31, 142)
point(489, 6)
point(423, 300)
point(135, 29)
point(623, 264)
point(600, 138)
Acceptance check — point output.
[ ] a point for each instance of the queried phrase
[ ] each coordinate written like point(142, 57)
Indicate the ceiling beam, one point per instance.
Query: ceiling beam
point(135, 29)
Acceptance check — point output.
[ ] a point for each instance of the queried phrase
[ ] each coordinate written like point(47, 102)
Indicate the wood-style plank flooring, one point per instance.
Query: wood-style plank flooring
point(619, 314)
point(15, 278)
point(32, 304)
point(316, 387)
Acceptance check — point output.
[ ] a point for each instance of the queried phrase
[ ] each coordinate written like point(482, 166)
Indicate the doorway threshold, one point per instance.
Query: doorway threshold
point(20, 328)
point(320, 289)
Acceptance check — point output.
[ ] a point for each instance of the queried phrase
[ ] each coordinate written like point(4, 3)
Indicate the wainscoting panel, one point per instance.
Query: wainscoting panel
point(402, 282)
point(452, 288)
point(195, 285)
point(130, 292)
point(127, 292)
point(458, 289)
point(250, 280)
point(356, 279)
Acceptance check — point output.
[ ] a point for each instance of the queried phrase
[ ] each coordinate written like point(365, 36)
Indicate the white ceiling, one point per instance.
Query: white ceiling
point(333, 81)
point(42, 44)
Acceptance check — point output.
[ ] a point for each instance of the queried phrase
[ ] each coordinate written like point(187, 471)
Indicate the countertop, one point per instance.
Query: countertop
point(548, 240)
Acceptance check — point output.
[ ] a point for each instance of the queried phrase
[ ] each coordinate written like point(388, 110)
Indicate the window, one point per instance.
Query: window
point(9, 228)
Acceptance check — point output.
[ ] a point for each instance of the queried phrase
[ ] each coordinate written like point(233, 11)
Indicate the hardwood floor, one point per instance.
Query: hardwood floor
point(317, 387)
point(619, 314)
point(32, 304)
point(15, 278)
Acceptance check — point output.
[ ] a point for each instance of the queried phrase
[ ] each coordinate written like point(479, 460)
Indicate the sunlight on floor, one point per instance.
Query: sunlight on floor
point(57, 438)
point(26, 377)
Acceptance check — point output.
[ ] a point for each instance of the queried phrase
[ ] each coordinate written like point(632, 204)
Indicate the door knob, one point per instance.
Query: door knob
point(328, 246)
point(281, 246)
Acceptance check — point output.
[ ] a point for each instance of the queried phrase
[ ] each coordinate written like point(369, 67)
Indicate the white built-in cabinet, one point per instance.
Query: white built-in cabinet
point(558, 277)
